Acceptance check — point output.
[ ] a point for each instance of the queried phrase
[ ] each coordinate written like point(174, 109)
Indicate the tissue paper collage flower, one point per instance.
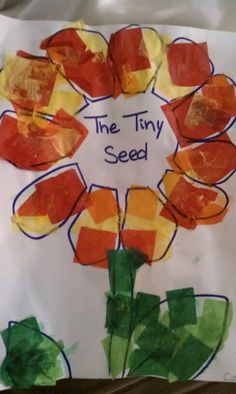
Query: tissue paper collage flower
point(115, 222)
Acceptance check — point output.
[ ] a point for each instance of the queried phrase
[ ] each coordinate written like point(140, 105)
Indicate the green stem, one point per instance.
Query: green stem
point(131, 324)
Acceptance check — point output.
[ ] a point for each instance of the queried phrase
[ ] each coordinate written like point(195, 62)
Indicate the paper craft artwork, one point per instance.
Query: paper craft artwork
point(117, 148)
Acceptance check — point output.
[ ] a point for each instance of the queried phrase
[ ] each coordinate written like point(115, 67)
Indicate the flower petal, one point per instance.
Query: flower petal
point(188, 63)
point(209, 162)
point(81, 61)
point(95, 230)
point(47, 203)
point(202, 114)
point(36, 143)
point(135, 54)
point(63, 96)
point(191, 204)
point(143, 226)
point(27, 82)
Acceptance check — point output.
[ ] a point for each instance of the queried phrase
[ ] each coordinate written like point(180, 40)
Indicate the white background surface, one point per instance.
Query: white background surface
point(39, 278)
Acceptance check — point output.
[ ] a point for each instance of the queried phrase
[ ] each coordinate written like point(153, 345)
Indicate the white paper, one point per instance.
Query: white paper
point(39, 277)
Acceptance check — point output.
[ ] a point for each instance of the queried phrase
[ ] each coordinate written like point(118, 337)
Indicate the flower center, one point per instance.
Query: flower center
point(128, 142)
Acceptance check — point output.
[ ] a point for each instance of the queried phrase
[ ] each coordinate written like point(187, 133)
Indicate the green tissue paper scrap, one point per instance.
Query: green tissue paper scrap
point(31, 357)
point(175, 338)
